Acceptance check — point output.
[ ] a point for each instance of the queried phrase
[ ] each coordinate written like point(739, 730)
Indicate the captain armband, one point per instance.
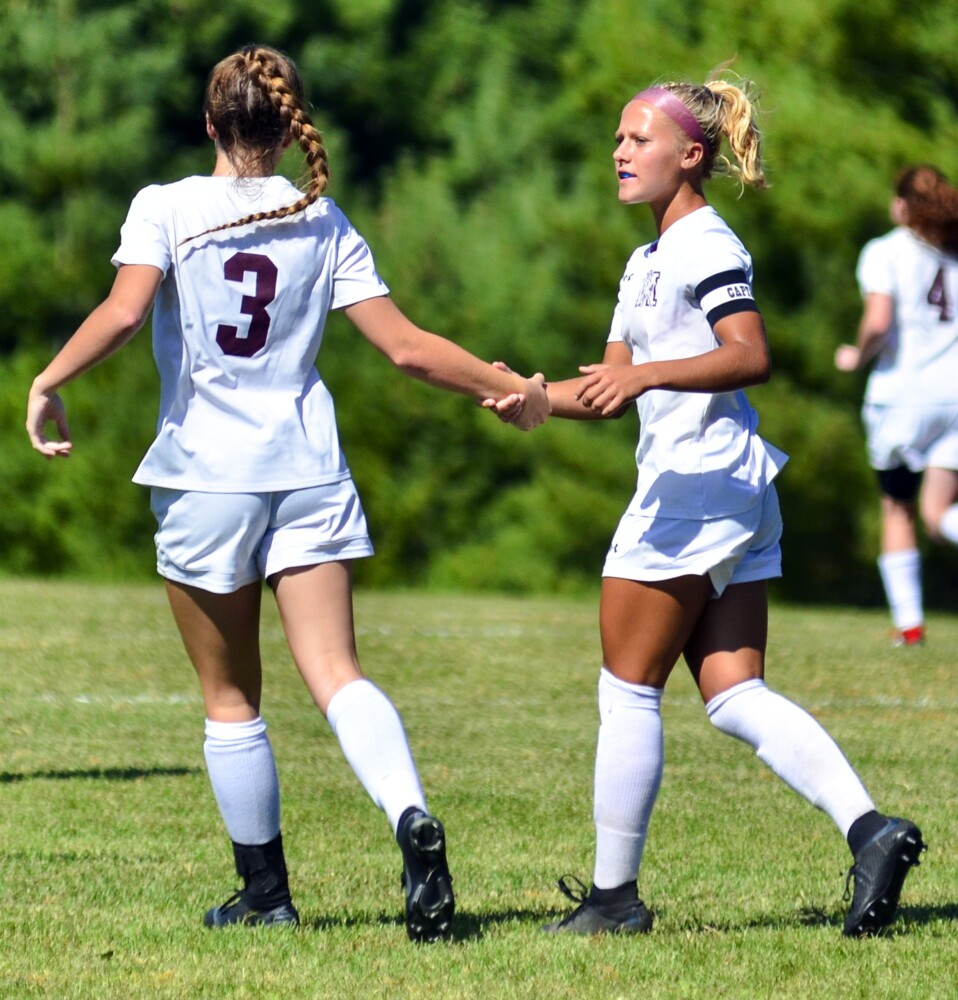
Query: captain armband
point(723, 294)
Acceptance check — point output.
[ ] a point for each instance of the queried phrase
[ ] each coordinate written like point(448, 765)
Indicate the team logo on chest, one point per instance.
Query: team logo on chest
point(650, 286)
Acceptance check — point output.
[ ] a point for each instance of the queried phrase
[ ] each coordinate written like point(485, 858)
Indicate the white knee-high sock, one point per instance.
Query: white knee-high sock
point(628, 772)
point(242, 771)
point(795, 747)
point(948, 525)
point(901, 576)
point(372, 737)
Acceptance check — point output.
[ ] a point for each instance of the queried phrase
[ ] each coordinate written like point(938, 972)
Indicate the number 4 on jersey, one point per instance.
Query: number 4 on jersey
point(938, 297)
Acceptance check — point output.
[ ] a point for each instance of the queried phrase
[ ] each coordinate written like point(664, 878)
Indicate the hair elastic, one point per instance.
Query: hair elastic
point(669, 104)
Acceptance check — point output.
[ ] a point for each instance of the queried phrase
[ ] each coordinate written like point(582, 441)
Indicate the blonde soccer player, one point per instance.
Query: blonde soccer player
point(686, 573)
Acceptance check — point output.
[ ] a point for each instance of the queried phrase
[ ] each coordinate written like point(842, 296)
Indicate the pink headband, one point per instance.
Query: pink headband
point(669, 104)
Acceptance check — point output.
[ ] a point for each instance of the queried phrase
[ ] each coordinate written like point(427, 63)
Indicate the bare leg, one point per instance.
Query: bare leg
point(727, 645)
point(898, 524)
point(645, 626)
point(221, 636)
point(316, 607)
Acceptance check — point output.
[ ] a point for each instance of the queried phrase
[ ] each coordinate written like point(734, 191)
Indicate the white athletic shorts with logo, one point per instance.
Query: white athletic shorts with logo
point(222, 541)
point(918, 437)
point(740, 548)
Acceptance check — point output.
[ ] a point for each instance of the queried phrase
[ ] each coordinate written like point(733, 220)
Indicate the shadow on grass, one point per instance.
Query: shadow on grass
point(472, 927)
point(906, 917)
point(100, 774)
point(466, 927)
point(929, 914)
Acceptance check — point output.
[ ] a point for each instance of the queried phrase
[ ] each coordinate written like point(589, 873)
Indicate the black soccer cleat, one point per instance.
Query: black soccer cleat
point(430, 904)
point(237, 911)
point(879, 871)
point(590, 917)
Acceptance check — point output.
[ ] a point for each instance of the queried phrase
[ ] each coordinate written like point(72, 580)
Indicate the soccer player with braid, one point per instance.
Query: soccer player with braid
point(687, 570)
point(247, 479)
point(908, 337)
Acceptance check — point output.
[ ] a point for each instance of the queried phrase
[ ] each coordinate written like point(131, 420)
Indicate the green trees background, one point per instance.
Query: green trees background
point(470, 143)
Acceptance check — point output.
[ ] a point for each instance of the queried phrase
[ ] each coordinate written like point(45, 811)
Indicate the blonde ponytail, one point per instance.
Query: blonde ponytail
point(722, 109)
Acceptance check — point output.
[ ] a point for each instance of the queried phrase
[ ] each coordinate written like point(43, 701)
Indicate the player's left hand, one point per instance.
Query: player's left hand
point(606, 389)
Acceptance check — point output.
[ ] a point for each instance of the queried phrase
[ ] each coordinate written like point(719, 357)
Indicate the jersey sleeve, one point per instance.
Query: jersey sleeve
point(143, 236)
point(721, 279)
point(876, 269)
point(355, 278)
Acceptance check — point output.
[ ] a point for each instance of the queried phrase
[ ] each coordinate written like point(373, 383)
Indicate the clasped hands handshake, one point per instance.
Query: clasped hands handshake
point(523, 410)
point(605, 390)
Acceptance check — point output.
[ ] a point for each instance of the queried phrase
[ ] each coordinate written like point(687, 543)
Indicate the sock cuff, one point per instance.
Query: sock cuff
point(903, 557)
point(756, 685)
point(347, 696)
point(234, 733)
point(607, 678)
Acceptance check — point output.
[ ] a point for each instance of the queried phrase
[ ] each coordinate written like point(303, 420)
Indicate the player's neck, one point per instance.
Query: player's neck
point(227, 167)
point(684, 202)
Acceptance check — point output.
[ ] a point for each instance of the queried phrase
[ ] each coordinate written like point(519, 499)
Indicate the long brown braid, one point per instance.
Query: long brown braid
point(931, 205)
point(255, 100)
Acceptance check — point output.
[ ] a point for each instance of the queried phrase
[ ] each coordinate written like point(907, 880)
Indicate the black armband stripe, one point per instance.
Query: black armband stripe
point(730, 308)
point(720, 279)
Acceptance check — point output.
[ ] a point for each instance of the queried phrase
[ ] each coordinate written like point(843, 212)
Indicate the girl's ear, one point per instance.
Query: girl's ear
point(693, 156)
point(210, 129)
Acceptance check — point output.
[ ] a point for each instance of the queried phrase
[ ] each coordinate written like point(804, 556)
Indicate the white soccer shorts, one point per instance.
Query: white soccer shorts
point(739, 548)
point(918, 437)
point(223, 541)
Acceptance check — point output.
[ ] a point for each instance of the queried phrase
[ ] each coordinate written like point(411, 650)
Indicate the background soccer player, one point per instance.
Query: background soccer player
point(908, 335)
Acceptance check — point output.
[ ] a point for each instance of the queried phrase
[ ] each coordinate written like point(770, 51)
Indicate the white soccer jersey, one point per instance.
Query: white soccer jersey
point(919, 360)
point(698, 455)
point(237, 324)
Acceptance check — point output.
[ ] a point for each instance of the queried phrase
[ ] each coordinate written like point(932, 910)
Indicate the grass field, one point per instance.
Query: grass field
point(111, 849)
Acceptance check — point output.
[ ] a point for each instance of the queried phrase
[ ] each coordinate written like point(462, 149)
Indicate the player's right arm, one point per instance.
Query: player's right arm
point(444, 364)
point(876, 321)
point(104, 331)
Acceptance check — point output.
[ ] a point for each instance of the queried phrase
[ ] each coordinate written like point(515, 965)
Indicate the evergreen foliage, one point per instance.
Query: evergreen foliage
point(470, 142)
